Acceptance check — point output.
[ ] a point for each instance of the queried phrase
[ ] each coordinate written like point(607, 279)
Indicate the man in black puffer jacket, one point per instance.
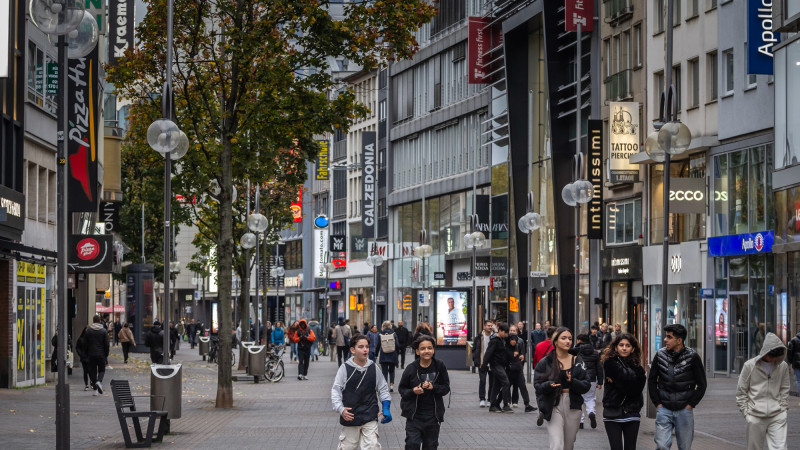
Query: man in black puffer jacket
point(676, 384)
point(594, 373)
point(97, 347)
point(496, 359)
point(155, 340)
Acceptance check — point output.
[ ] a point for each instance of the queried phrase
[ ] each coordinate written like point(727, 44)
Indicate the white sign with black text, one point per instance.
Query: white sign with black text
point(623, 141)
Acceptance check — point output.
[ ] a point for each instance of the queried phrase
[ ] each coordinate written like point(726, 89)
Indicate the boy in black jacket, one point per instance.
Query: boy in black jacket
point(422, 387)
point(594, 373)
point(496, 359)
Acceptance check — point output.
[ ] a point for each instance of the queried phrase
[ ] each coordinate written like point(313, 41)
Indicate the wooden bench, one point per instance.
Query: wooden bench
point(126, 408)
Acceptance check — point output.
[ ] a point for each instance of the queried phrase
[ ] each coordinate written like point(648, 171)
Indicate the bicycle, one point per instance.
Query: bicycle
point(274, 370)
point(214, 348)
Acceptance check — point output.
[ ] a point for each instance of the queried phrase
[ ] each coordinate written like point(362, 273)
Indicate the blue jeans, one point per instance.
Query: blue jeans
point(797, 377)
point(681, 421)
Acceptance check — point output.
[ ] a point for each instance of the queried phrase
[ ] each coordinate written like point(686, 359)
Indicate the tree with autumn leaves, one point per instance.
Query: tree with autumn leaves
point(252, 88)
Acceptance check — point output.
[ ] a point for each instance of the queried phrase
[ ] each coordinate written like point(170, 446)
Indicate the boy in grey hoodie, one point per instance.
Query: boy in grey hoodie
point(354, 396)
point(763, 396)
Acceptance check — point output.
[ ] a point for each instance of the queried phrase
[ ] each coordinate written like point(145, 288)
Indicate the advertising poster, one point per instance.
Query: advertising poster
point(657, 328)
point(214, 318)
point(623, 141)
point(452, 312)
point(721, 321)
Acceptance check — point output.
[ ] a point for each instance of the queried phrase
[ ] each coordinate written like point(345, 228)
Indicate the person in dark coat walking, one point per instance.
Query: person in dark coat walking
point(496, 360)
point(403, 341)
point(594, 372)
point(117, 329)
point(83, 355)
point(191, 328)
point(516, 358)
point(155, 340)
point(97, 348)
point(538, 335)
point(173, 339)
point(387, 356)
point(622, 402)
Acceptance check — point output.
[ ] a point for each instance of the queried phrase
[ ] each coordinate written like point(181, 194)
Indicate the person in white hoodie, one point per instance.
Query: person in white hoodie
point(763, 396)
point(354, 395)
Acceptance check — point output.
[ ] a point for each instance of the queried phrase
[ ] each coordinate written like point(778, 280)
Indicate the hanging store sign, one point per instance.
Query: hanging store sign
point(623, 141)
point(741, 244)
point(297, 207)
point(90, 253)
point(82, 142)
point(320, 239)
point(623, 263)
point(13, 203)
point(109, 214)
point(5, 36)
point(579, 12)
point(120, 29)
point(369, 185)
point(687, 195)
point(321, 164)
point(338, 243)
point(481, 266)
point(482, 37)
point(594, 172)
point(761, 38)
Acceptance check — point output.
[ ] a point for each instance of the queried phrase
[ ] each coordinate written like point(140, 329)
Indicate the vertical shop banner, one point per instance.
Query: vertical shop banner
point(594, 172)
point(83, 119)
point(320, 252)
point(579, 12)
point(482, 37)
point(120, 29)
point(623, 141)
point(369, 187)
point(297, 207)
point(482, 209)
point(109, 215)
point(321, 167)
point(760, 37)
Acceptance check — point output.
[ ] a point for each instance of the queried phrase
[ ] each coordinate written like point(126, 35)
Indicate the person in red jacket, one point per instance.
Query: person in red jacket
point(303, 337)
point(544, 347)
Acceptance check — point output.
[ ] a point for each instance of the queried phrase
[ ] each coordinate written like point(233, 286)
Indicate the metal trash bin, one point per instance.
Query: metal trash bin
point(244, 357)
point(203, 346)
point(257, 356)
point(166, 385)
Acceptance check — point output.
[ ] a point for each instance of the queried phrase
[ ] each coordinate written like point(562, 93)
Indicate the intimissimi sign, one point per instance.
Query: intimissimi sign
point(369, 185)
point(761, 38)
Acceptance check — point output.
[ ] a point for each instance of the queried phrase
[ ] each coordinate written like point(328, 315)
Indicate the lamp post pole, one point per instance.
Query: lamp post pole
point(668, 115)
point(576, 303)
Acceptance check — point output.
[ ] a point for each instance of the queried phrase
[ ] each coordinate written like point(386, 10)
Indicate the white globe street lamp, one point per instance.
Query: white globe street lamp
point(56, 17)
point(248, 241)
point(257, 222)
point(163, 136)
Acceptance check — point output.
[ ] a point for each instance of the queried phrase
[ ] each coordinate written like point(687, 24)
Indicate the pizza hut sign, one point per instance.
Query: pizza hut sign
point(90, 253)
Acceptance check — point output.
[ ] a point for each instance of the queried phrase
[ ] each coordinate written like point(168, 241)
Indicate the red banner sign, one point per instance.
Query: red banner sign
point(297, 207)
point(579, 12)
point(482, 38)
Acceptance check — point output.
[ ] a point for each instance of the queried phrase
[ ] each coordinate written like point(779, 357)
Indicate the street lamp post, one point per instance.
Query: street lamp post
point(670, 138)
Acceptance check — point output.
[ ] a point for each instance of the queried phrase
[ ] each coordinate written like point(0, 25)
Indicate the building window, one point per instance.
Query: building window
point(626, 36)
point(40, 66)
point(607, 54)
point(742, 191)
point(676, 12)
point(294, 255)
point(623, 222)
point(676, 81)
point(658, 19)
point(711, 4)
point(727, 57)
point(787, 106)
point(694, 82)
point(637, 35)
point(694, 9)
point(712, 76)
point(659, 84)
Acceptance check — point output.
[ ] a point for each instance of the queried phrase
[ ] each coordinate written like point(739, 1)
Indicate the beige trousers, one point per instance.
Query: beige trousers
point(366, 435)
point(562, 429)
point(766, 430)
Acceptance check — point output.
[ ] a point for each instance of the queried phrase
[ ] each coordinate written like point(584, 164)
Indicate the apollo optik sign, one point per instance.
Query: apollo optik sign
point(761, 38)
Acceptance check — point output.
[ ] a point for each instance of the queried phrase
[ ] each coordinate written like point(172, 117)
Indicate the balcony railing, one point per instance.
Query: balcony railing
point(617, 10)
point(618, 86)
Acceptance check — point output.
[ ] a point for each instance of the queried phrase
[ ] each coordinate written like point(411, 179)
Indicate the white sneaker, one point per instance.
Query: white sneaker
point(514, 405)
point(99, 387)
point(483, 403)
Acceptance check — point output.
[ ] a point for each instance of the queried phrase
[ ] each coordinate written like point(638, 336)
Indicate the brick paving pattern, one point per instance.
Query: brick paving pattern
point(297, 414)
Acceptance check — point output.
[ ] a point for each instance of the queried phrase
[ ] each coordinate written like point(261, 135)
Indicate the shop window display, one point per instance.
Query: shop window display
point(742, 191)
point(682, 226)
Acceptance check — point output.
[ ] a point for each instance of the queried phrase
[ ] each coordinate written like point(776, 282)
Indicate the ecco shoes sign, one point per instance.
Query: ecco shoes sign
point(623, 141)
point(687, 195)
point(761, 38)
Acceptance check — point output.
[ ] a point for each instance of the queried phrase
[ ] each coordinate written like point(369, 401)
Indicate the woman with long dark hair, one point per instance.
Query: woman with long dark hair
point(623, 401)
point(560, 381)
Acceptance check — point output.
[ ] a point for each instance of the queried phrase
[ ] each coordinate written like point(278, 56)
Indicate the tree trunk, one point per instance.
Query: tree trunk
point(225, 269)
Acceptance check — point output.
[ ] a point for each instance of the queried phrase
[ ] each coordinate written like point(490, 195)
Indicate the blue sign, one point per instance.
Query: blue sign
point(707, 293)
point(321, 222)
point(741, 244)
point(760, 37)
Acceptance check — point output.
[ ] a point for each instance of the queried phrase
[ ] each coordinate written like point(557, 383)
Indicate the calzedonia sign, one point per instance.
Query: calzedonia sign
point(741, 244)
point(369, 185)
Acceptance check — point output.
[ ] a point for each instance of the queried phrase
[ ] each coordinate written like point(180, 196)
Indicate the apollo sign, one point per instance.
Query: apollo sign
point(760, 37)
point(687, 195)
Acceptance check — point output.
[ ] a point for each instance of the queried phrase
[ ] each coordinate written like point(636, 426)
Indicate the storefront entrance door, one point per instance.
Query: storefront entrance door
point(738, 331)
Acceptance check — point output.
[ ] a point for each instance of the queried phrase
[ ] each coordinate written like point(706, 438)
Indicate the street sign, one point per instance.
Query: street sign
point(538, 274)
point(438, 276)
point(424, 298)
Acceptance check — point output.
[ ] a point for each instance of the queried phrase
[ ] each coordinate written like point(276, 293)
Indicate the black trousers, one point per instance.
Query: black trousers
point(156, 357)
point(501, 386)
point(619, 432)
point(388, 372)
point(85, 365)
point(341, 353)
point(482, 375)
point(422, 433)
point(303, 357)
point(402, 351)
point(126, 348)
point(517, 380)
point(97, 369)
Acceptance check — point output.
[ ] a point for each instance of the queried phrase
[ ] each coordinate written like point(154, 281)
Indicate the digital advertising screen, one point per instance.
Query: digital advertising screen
point(452, 316)
point(721, 321)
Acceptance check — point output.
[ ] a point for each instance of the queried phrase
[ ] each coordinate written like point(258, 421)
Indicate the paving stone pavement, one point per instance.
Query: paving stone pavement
point(297, 414)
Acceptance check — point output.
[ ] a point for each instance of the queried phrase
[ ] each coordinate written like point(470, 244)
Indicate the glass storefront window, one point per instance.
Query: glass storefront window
point(619, 304)
point(742, 183)
point(738, 193)
point(682, 226)
point(787, 105)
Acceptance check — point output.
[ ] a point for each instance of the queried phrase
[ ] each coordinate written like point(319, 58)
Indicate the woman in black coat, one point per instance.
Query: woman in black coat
point(560, 381)
point(388, 360)
point(623, 400)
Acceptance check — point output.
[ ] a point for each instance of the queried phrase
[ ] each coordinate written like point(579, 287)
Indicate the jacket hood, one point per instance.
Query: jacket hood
point(352, 363)
point(771, 342)
point(303, 323)
point(584, 348)
point(96, 326)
